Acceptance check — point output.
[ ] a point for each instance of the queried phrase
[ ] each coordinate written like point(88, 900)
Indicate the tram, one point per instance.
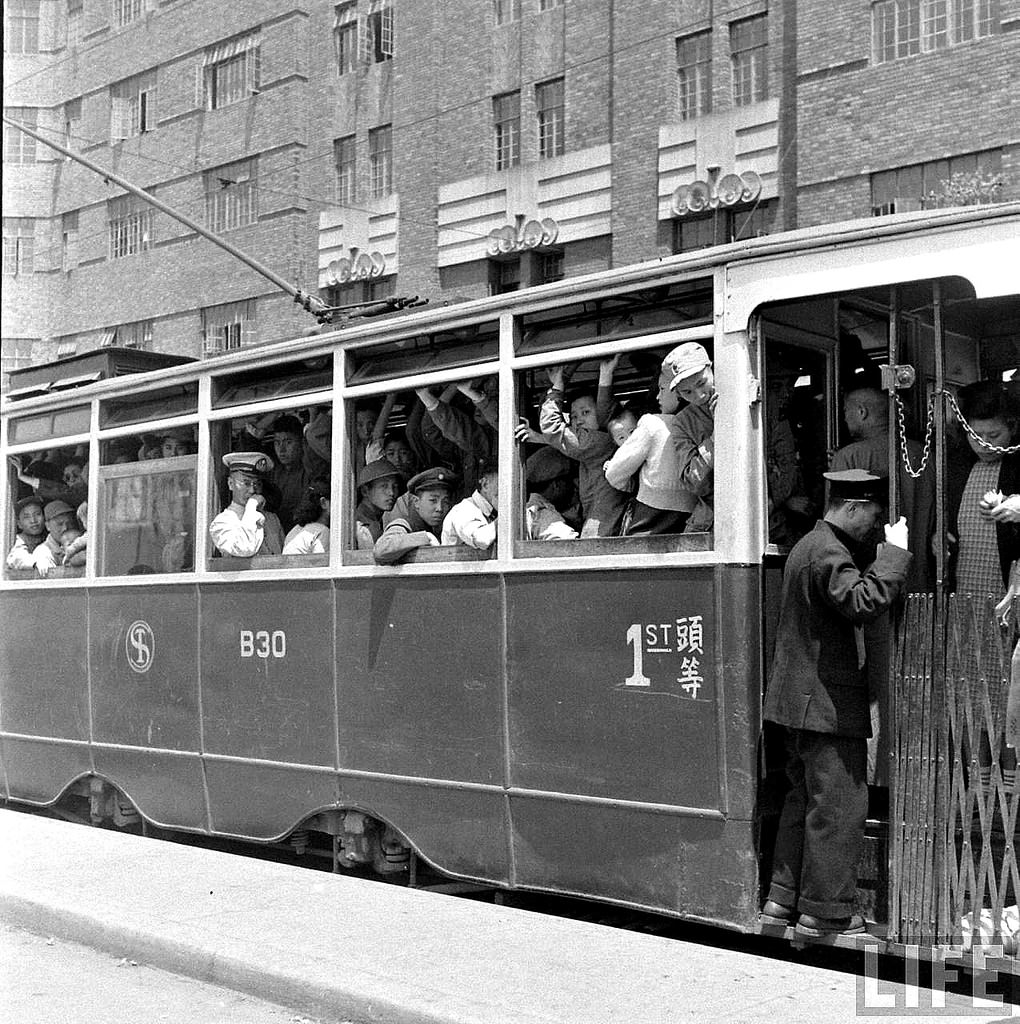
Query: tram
point(578, 717)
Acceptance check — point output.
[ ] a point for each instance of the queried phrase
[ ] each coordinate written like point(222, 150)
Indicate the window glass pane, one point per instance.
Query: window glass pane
point(44, 426)
point(423, 353)
point(150, 405)
point(275, 381)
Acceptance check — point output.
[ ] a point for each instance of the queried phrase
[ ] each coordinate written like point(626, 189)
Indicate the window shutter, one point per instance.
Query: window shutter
point(201, 87)
point(120, 118)
point(253, 68)
point(365, 44)
point(247, 333)
point(214, 341)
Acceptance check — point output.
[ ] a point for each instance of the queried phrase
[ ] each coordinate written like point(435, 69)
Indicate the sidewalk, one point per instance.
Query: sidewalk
point(334, 946)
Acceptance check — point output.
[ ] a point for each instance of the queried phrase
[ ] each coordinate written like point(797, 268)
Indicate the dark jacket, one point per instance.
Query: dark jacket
point(1007, 534)
point(816, 683)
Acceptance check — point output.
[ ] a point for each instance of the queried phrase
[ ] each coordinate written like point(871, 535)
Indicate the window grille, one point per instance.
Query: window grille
point(230, 72)
point(126, 11)
point(345, 37)
point(507, 120)
point(749, 49)
point(549, 103)
point(19, 148)
point(21, 26)
point(75, 22)
point(231, 195)
point(551, 268)
point(227, 327)
point(133, 335)
point(19, 245)
point(380, 161)
point(548, 5)
point(903, 28)
point(377, 34)
point(69, 241)
point(506, 11)
point(504, 276)
point(930, 185)
point(133, 106)
point(131, 226)
point(344, 155)
point(694, 74)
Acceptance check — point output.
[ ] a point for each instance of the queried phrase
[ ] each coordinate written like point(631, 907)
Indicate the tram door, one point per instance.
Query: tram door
point(953, 789)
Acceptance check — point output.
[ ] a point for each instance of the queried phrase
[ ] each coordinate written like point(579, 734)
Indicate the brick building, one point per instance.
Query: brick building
point(453, 148)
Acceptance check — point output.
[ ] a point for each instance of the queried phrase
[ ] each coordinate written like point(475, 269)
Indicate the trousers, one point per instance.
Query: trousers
point(821, 828)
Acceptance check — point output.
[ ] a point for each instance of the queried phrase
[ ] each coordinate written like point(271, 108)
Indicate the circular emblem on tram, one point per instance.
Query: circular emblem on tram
point(140, 646)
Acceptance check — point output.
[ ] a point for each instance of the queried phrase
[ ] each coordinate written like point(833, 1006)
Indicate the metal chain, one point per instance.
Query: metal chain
point(901, 416)
point(970, 431)
point(903, 436)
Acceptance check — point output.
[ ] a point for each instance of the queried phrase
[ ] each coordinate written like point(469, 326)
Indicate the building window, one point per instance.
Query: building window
point(131, 226)
point(966, 180)
point(549, 105)
point(377, 39)
point(507, 119)
point(551, 267)
point(694, 74)
point(749, 47)
point(19, 245)
point(75, 22)
point(72, 123)
point(228, 327)
point(21, 26)
point(506, 11)
point(136, 335)
point(504, 276)
point(133, 106)
point(231, 195)
point(352, 292)
point(548, 5)
point(230, 72)
point(903, 28)
point(380, 161)
point(723, 225)
point(127, 11)
point(69, 241)
point(19, 148)
point(345, 37)
point(344, 159)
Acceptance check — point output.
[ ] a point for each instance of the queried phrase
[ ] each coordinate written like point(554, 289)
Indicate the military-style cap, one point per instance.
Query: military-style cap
point(256, 463)
point(56, 508)
point(377, 470)
point(435, 477)
point(547, 464)
point(23, 503)
point(859, 484)
point(685, 361)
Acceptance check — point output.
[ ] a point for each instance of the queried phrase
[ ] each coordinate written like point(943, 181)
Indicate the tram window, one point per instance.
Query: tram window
point(448, 432)
point(272, 458)
point(49, 535)
point(161, 403)
point(146, 520)
point(616, 317)
point(275, 381)
point(47, 425)
point(796, 427)
point(423, 353)
point(616, 455)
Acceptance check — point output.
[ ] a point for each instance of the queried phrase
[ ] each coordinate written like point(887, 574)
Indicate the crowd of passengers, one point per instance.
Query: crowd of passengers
point(595, 467)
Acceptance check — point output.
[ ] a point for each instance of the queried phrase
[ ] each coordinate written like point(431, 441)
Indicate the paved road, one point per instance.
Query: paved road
point(47, 981)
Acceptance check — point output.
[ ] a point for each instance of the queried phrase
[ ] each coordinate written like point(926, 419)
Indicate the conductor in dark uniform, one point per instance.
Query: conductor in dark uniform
point(818, 691)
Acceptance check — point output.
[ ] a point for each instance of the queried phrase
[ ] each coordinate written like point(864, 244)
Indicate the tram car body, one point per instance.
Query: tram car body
point(577, 717)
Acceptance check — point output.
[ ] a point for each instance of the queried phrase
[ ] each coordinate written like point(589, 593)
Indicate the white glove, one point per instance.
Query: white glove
point(897, 533)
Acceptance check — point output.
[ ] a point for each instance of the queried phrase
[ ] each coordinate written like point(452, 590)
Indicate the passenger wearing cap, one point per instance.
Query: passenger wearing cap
point(244, 528)
point(663, 504)
point(31, 533)
point(818, 693)
point(430, 499)
point(378, 488)
point(551, 487)
point(473, 521)
point(693, 380)
point(59, 517)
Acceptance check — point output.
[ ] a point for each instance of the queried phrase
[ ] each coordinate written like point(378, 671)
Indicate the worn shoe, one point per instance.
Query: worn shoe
point(820, 927)
point(777, 915)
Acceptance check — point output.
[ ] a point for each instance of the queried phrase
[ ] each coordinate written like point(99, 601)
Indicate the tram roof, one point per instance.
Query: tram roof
point(71, 385)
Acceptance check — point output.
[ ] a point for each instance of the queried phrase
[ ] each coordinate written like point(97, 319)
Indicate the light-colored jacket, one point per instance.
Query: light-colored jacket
point(651, 453)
